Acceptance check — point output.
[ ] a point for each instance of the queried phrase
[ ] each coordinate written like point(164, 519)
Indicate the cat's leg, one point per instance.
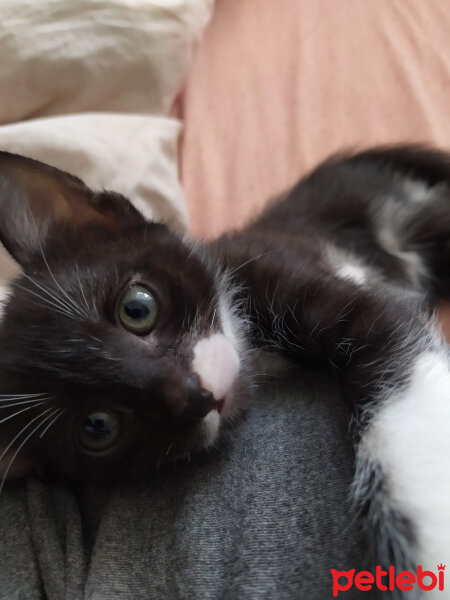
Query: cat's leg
point(402, 480)
point(397, 377)
point(395, 372)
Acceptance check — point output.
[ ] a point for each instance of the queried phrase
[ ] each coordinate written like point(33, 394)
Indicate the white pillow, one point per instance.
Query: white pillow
point(63, 56)
point(125, 59)
point(132, 154)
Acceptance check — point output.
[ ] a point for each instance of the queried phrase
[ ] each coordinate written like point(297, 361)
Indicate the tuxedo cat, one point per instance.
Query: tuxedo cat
point(122, 346)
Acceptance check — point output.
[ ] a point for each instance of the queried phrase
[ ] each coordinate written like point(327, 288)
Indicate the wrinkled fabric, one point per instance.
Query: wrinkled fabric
point(88, 87)
point(59, 57)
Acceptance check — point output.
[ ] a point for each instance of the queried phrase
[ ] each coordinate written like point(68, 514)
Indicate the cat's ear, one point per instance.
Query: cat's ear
point(38, 202)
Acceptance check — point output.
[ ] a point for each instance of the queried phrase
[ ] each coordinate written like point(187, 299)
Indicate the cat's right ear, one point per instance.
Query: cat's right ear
point(39, 202)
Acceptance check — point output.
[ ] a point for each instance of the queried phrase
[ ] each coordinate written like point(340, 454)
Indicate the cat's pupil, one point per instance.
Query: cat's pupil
point(98, 425)
point(99, 430)
point(136, 310)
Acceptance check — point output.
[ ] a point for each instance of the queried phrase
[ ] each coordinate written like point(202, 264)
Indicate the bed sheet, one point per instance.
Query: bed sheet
point(277, 86)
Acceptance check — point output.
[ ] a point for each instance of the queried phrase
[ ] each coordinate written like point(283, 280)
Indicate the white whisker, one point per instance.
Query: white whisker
point(51, 423)
point(80, 285)
point(2, 455)
point(54, 297)
point(20, 411)
point(55, 306)
point(42, 399)
point(96, 339)
point(236, 269)
point(5, 397)
point(21, 445)
point(69, 299)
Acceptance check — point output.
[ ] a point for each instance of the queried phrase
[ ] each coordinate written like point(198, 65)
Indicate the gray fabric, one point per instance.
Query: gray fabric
point(264, 516)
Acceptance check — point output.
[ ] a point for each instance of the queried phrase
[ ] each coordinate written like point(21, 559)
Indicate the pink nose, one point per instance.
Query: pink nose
point(216, 362)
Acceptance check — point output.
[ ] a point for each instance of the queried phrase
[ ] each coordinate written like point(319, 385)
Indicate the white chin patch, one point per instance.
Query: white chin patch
point(211, 424)
point(217, 363)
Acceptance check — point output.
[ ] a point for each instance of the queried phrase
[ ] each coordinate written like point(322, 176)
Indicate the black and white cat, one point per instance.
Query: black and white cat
point(122, 346)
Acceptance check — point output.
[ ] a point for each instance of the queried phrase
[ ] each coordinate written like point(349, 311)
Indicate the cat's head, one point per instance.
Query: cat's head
point(119, 344)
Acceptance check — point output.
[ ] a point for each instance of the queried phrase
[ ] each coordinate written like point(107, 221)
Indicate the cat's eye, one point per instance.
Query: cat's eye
point(98, 431)
point(138, 310)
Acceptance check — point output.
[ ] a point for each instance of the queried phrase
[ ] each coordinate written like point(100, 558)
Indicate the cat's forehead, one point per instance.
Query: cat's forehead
point(145, 245)
point(148, 253)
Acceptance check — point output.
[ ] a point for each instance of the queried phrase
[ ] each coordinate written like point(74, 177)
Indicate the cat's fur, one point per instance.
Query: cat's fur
point(343, 273)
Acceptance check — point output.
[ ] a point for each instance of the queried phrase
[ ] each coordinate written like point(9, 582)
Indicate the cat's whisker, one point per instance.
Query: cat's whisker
point(21, 445)
point(61, 312)
point(63, 291)
point(51, 293)
point(5, 405)
point(62, 410)
point(21, 411)
point(86, 304)
point(3, 454)
point(231, 272)
point(55, 306)
point(55, 297)
point(6, 397)
point(80, 310)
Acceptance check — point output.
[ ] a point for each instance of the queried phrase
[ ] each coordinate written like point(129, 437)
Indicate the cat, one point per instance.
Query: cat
point(123, 346)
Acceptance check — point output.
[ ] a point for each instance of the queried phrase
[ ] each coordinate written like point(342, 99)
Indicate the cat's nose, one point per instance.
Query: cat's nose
point(182, 399)
point(200, 401)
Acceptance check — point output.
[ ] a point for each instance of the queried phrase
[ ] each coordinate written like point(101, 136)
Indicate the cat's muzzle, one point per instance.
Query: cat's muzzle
point(98, 430)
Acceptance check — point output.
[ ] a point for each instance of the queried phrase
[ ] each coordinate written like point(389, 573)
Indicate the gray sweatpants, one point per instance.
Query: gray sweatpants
point(264, 516)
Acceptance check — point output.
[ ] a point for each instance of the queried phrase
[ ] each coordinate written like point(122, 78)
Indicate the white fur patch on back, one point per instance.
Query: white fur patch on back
point(347, 266)
point(417, 191)
point(409, 438)
point(389, 222)
point(412, 261)
point(352, 272)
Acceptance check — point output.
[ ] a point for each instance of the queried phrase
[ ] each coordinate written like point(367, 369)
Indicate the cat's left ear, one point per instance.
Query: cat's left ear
point(39, 202)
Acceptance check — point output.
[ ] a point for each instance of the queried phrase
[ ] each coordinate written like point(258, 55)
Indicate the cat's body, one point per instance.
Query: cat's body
point(130, 336)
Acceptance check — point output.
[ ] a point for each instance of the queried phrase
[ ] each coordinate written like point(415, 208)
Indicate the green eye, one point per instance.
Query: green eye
point(138, 310)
